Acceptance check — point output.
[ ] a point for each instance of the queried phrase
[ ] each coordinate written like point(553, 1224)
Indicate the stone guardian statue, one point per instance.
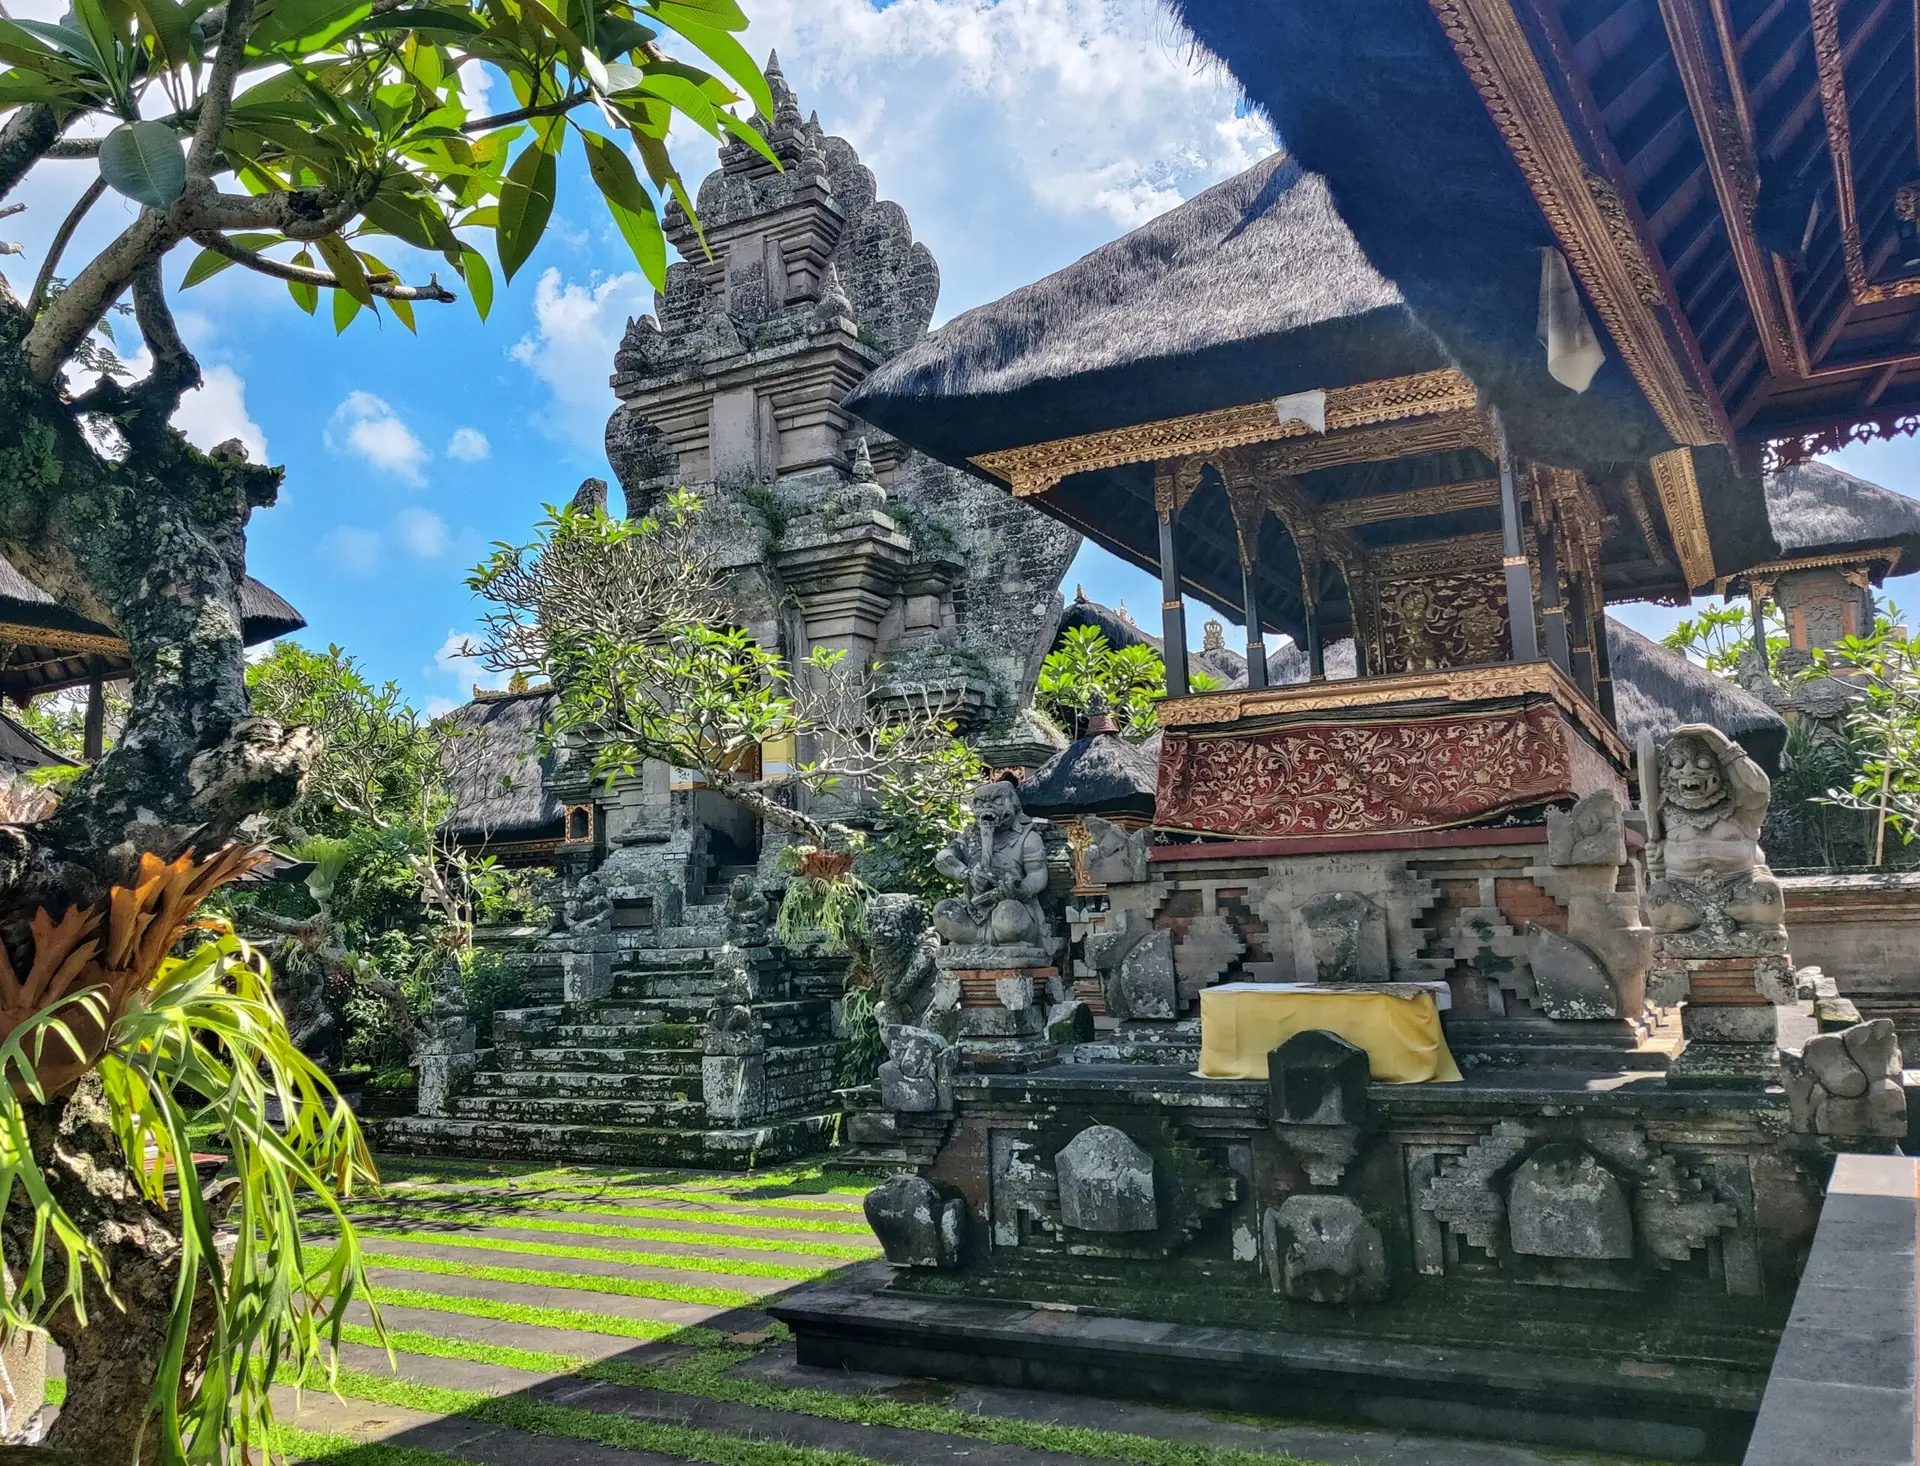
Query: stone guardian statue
point(1000, 862)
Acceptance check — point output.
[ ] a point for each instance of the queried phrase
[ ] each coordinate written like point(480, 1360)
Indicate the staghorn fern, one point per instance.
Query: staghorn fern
point(183, 1045)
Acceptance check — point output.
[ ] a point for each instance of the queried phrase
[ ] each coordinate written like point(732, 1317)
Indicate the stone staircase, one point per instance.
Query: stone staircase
point(619, 1079)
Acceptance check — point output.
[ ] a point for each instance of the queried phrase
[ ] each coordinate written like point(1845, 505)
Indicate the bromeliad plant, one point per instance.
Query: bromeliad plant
point(115, 1050)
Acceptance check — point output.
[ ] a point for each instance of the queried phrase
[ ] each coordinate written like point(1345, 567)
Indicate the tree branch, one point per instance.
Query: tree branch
point(204, 155)
point(300, 275)
point(521, 114)
point(175, 372)
point(44, 282)
point(24, 140)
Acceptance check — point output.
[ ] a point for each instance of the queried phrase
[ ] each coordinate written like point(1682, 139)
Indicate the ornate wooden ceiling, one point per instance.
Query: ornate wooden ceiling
point(1729, 179)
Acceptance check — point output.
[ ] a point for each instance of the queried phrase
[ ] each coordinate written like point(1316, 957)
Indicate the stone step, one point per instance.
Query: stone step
point(662, 1113)
point(626, 1035)
point(571, 1059)
point(585, 1084)
point(739, 1148)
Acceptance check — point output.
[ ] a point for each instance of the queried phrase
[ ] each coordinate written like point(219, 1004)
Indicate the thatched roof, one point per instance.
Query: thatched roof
point(22, 749)
point(495, 770)
point(1288, 662)
point(1120, 629)
point(1254, 288)
point(1816, 509)
point(1101, 774)
point(36, 667)
point(1655, 690)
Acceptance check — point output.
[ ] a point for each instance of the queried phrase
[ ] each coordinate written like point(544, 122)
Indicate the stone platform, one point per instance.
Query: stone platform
point(1582, 1259)
point(618, 1079)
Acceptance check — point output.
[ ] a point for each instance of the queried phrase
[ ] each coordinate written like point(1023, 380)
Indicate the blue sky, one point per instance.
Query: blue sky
point(1017, 135)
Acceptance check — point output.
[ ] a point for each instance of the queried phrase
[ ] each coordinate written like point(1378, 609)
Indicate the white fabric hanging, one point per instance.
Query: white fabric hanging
point(1309, 408)
point(1573, 350)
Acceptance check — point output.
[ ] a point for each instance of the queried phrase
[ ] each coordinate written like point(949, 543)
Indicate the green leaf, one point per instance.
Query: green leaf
point(305, 295)
point(685, 97)
point(346, 268)
point(403, 312)
point(171, 27)
point(478, 274)
point(427, 20)
point(205, 266)
point(632, 207)
point(345, 308)
point(526, 203)
point(723, 15)
point(732, 58)
point(299, 20)
point(616, 35)
point(144, 161)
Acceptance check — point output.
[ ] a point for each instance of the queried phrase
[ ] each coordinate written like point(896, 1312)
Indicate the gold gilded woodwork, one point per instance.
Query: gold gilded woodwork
point(1626, 243)
point(1679, 491)
point(1479, 493)
point(1888, 556)
point(1444, 621)
point(1498, 59)
point(62, 641)
point(1458, 684)
point(1830, 63)
point(1037, 467)
point(1438, 434)
point(1727, 137)
point(1643, 516)
point(1437, 557)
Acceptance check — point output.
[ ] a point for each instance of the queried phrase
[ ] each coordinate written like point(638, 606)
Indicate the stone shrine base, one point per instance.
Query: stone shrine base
point(858, 1321)
point(1580, 1259)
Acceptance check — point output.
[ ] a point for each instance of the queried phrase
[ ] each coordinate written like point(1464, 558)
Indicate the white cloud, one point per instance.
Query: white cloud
point(439, 707)
point(459, 658)
point(469, 445)
point(423, 532)
point(351, 550)
point(216, 410)
point(571, 349)
point(1018, 134)
point(366, 426)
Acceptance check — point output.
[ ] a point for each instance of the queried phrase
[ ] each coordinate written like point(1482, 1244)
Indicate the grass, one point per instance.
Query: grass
point(579, 1319)
point(674, 1261)
point(451, 1199)
point(344, 1450)
point(583, 1282)
point(432, 1346)
point(690, 1237)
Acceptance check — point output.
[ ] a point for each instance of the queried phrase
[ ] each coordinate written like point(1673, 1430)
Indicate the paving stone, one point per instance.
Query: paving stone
point(504, 1230)
point(540, 1295)
point(639, 1272)
point(512, 1334)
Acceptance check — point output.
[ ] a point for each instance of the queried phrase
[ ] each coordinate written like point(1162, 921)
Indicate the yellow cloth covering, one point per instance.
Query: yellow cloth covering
point(1397, 1023)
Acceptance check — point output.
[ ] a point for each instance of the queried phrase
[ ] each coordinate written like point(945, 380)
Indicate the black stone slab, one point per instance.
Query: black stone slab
point(1675, 1413)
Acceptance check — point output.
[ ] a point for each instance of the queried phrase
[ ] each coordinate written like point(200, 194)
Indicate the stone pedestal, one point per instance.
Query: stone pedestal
point(586, 968)
point(1003, 1019)
point(443, 1061)
point(1731, 1019)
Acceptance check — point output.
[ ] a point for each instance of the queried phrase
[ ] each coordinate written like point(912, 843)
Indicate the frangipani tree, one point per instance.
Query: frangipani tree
point(327, 144)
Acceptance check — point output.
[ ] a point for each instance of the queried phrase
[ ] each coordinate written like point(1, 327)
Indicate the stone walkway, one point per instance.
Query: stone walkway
point(612, 1318)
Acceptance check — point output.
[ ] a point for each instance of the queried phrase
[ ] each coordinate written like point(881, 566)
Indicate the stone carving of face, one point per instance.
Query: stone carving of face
point(1414, 603)
point(995, 805)
point(1690, 774)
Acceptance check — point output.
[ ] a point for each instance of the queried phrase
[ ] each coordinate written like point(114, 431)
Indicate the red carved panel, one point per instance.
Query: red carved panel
point(1374, 775)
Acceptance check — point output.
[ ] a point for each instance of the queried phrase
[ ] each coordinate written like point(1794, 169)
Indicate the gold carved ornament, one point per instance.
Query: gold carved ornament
point(1037, 467)
point(1679, 491)
point(1606, 256)
point(78, 642)
point(1830, 62)
point(1759, 579)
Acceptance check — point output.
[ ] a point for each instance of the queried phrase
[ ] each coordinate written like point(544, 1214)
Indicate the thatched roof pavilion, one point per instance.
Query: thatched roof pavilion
point(1656, 690)
point(496, 772)
point(51, 647)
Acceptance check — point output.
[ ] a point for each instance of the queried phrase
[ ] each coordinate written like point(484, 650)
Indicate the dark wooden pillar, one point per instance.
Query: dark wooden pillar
point(1757, 602)
point(1173, 615)
point(1580, 614)
point(1603, 668)
point(1520, 612)
point(1310, 610)
point(1250, 605)
point(1553, 615)
point(94, 732)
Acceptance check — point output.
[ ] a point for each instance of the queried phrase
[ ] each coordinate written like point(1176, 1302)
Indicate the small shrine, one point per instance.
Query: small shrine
point(1416, 1053)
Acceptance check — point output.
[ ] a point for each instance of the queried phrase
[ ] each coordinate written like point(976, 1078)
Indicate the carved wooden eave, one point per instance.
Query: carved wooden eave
point(77, 643)
point(1584, 211)
point(1037, 467)
point(1877, 562)
point(1454, 684)
point(1679, 491)
point(1830, 59)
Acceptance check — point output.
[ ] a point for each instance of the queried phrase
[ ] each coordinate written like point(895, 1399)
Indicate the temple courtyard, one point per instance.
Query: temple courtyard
point(602, 1316)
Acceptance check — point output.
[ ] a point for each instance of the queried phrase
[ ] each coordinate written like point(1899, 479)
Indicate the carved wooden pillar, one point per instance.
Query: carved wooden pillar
point(1553, 615)
point(1581, 627)
point(1603, 668)
point(1173, 615)
point(1256, 643)
point(1520, 611)
point(1310, 610)
point(1757, 593)
point(93, 734)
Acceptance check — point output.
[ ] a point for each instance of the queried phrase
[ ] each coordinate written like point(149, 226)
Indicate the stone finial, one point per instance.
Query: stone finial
point(641, 346)
point(834, 306)
point(590, 497)
point(1106, 1182)
point(1847, 1085)
point(862, 465)
point(786, 106)
point(918, 1223)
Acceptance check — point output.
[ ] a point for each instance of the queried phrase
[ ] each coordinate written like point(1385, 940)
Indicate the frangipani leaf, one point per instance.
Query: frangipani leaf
point(146, 162)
